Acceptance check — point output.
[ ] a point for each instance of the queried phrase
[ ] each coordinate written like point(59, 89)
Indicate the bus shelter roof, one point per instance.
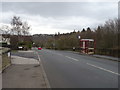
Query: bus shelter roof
point(87, 40)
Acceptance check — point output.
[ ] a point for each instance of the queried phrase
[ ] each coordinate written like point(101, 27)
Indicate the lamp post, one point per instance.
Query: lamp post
point(33, 44)
point(54, 42)
point(79, 37)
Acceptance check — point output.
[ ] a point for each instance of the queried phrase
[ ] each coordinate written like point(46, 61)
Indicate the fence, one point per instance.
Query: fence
point(5, 57)
point(109, 52)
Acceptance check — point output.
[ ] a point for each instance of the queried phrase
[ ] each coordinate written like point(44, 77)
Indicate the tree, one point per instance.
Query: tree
point(5, 32)
point(16, 24)
point(83, 30)
point(89, 33)
point(74, 31)
point(5, 29)
point(19, 27)
point(25, 28)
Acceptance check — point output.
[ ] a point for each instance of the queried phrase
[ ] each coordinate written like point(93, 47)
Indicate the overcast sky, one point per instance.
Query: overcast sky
point(63, 17)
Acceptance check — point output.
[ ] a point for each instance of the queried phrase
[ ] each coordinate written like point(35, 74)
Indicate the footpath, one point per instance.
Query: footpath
point(24, 72)
point(107, 57)
point(101, 56)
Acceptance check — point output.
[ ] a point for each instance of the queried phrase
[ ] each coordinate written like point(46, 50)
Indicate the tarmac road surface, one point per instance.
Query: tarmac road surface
point(66, 69)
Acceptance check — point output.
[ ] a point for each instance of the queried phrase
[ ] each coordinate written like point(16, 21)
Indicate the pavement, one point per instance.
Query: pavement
point(0, 64)
point(0, 81)
point(0, 71)
point(25, 72)
point(100, 56)
point(107, 57)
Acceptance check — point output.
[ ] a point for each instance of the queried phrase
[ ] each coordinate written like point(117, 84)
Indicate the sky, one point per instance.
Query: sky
point(63, 17)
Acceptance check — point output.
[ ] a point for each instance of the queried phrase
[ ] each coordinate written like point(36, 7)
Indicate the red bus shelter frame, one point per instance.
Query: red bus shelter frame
point(85, 45)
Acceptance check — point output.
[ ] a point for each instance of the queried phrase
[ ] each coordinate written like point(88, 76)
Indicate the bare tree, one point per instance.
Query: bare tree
point(4, 29)
point(16, 24)
point(25, 28)
point(19, 27)
point(5, 32)
point(19, 31)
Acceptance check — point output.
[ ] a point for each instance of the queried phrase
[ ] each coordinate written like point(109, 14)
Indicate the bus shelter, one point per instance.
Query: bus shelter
point(87, 46)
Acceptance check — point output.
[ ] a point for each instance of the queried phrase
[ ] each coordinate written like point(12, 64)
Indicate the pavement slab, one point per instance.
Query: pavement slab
point(22, 60)
point(23, 76)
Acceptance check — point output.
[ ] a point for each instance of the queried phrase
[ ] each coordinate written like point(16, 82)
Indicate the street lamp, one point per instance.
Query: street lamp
point(79, 37)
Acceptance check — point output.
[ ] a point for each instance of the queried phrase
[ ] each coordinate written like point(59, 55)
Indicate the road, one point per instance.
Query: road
point(65, 69)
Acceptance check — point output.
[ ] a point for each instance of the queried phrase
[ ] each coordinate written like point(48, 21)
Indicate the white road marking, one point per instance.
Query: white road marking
point(103, 69)
point(72, 58)
point(54, 52)
point(59, 54)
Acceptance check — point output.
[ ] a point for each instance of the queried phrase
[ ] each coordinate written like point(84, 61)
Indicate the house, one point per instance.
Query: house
point(4, 40)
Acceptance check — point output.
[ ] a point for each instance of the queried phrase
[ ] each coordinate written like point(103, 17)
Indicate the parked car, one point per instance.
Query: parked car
point(39, 48)
point(22, 48)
